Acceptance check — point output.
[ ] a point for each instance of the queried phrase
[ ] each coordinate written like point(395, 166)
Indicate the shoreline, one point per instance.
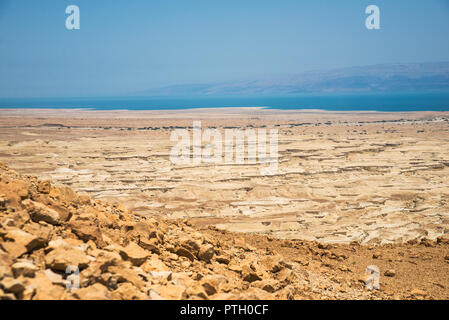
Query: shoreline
point(205, 109)
point(348, 102)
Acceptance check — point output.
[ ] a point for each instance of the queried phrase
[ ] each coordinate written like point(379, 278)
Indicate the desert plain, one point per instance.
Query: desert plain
point(352, 189)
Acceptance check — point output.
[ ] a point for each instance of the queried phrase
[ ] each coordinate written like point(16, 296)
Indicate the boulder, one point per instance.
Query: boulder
point(60, 258)
point(64, 194)
point(154, 295)
point(206, 253)
point(19, 188)
point(54, 277)
point(191, 245)
point(126, 291)
point(196, 292)
point(167, 275)
point(44, 186)
point(233, 266)
point(57, 243)
point(24, 268)
point(134, 253)
point(40, 212)
point(212, 283)
point(6, 296)
point(19, 242)
point(390, 273)
point(154, 264)
point(418, 293)
point(5, 272)
point(122, 273)
point(222, 259)
point(11, 285)
point(18, 219)
point(41, 288)
point(106, 258)
point(150, 244)
point(171, 291)
point(268, 285)
point(43, 231)
point(272, 263)
point(87, 229)
point(96, 291)
point(287, 276)
point(183, 252)
point(249, 274)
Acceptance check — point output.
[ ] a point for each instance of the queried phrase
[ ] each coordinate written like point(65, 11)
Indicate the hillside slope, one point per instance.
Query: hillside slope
point(45, 229)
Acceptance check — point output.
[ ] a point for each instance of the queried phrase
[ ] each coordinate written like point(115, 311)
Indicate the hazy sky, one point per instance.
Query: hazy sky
point(132, 45)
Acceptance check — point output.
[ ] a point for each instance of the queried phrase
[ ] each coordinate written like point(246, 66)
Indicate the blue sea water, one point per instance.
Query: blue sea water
point(333, 102)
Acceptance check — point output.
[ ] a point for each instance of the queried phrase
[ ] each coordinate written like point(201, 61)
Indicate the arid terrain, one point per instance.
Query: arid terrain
point(351, 190)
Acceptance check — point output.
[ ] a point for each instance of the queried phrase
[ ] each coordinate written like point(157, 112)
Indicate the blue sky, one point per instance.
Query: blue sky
point(130, 46)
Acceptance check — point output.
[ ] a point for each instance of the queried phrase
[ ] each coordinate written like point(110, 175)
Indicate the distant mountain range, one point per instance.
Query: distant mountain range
point(375, 78)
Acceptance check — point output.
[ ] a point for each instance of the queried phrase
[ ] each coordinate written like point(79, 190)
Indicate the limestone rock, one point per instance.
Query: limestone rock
point(183, 252)
point(222, 259)
point(162, 274)
point(19, 242)
point(64, 194)
point(96, 291)
point(286, 276)
point(134, 253)
point(50, 293)
point(215, 283)
point(124, 274)
point(272, 263)
point(154, 295)
point(43, 231)
point(418, 293)
point(235, 267)
point(86, 230)
point(172, 292)
point(106, 258)
point(60, 258)
point(44, 187)
point(41, 288)
point(24, 268)
point(57, 243)
point(11, 285)
point(249, 274)
point(40, 212)
point(6, 296)
point(206, 253)
point(19, 188)
point(390, 273)
point(55, 278)
point(191, 245)
point(268, 285)
point(126, 291)
point(196, 291)
point(150, 245)
point(154, 264)
point(5, 272)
